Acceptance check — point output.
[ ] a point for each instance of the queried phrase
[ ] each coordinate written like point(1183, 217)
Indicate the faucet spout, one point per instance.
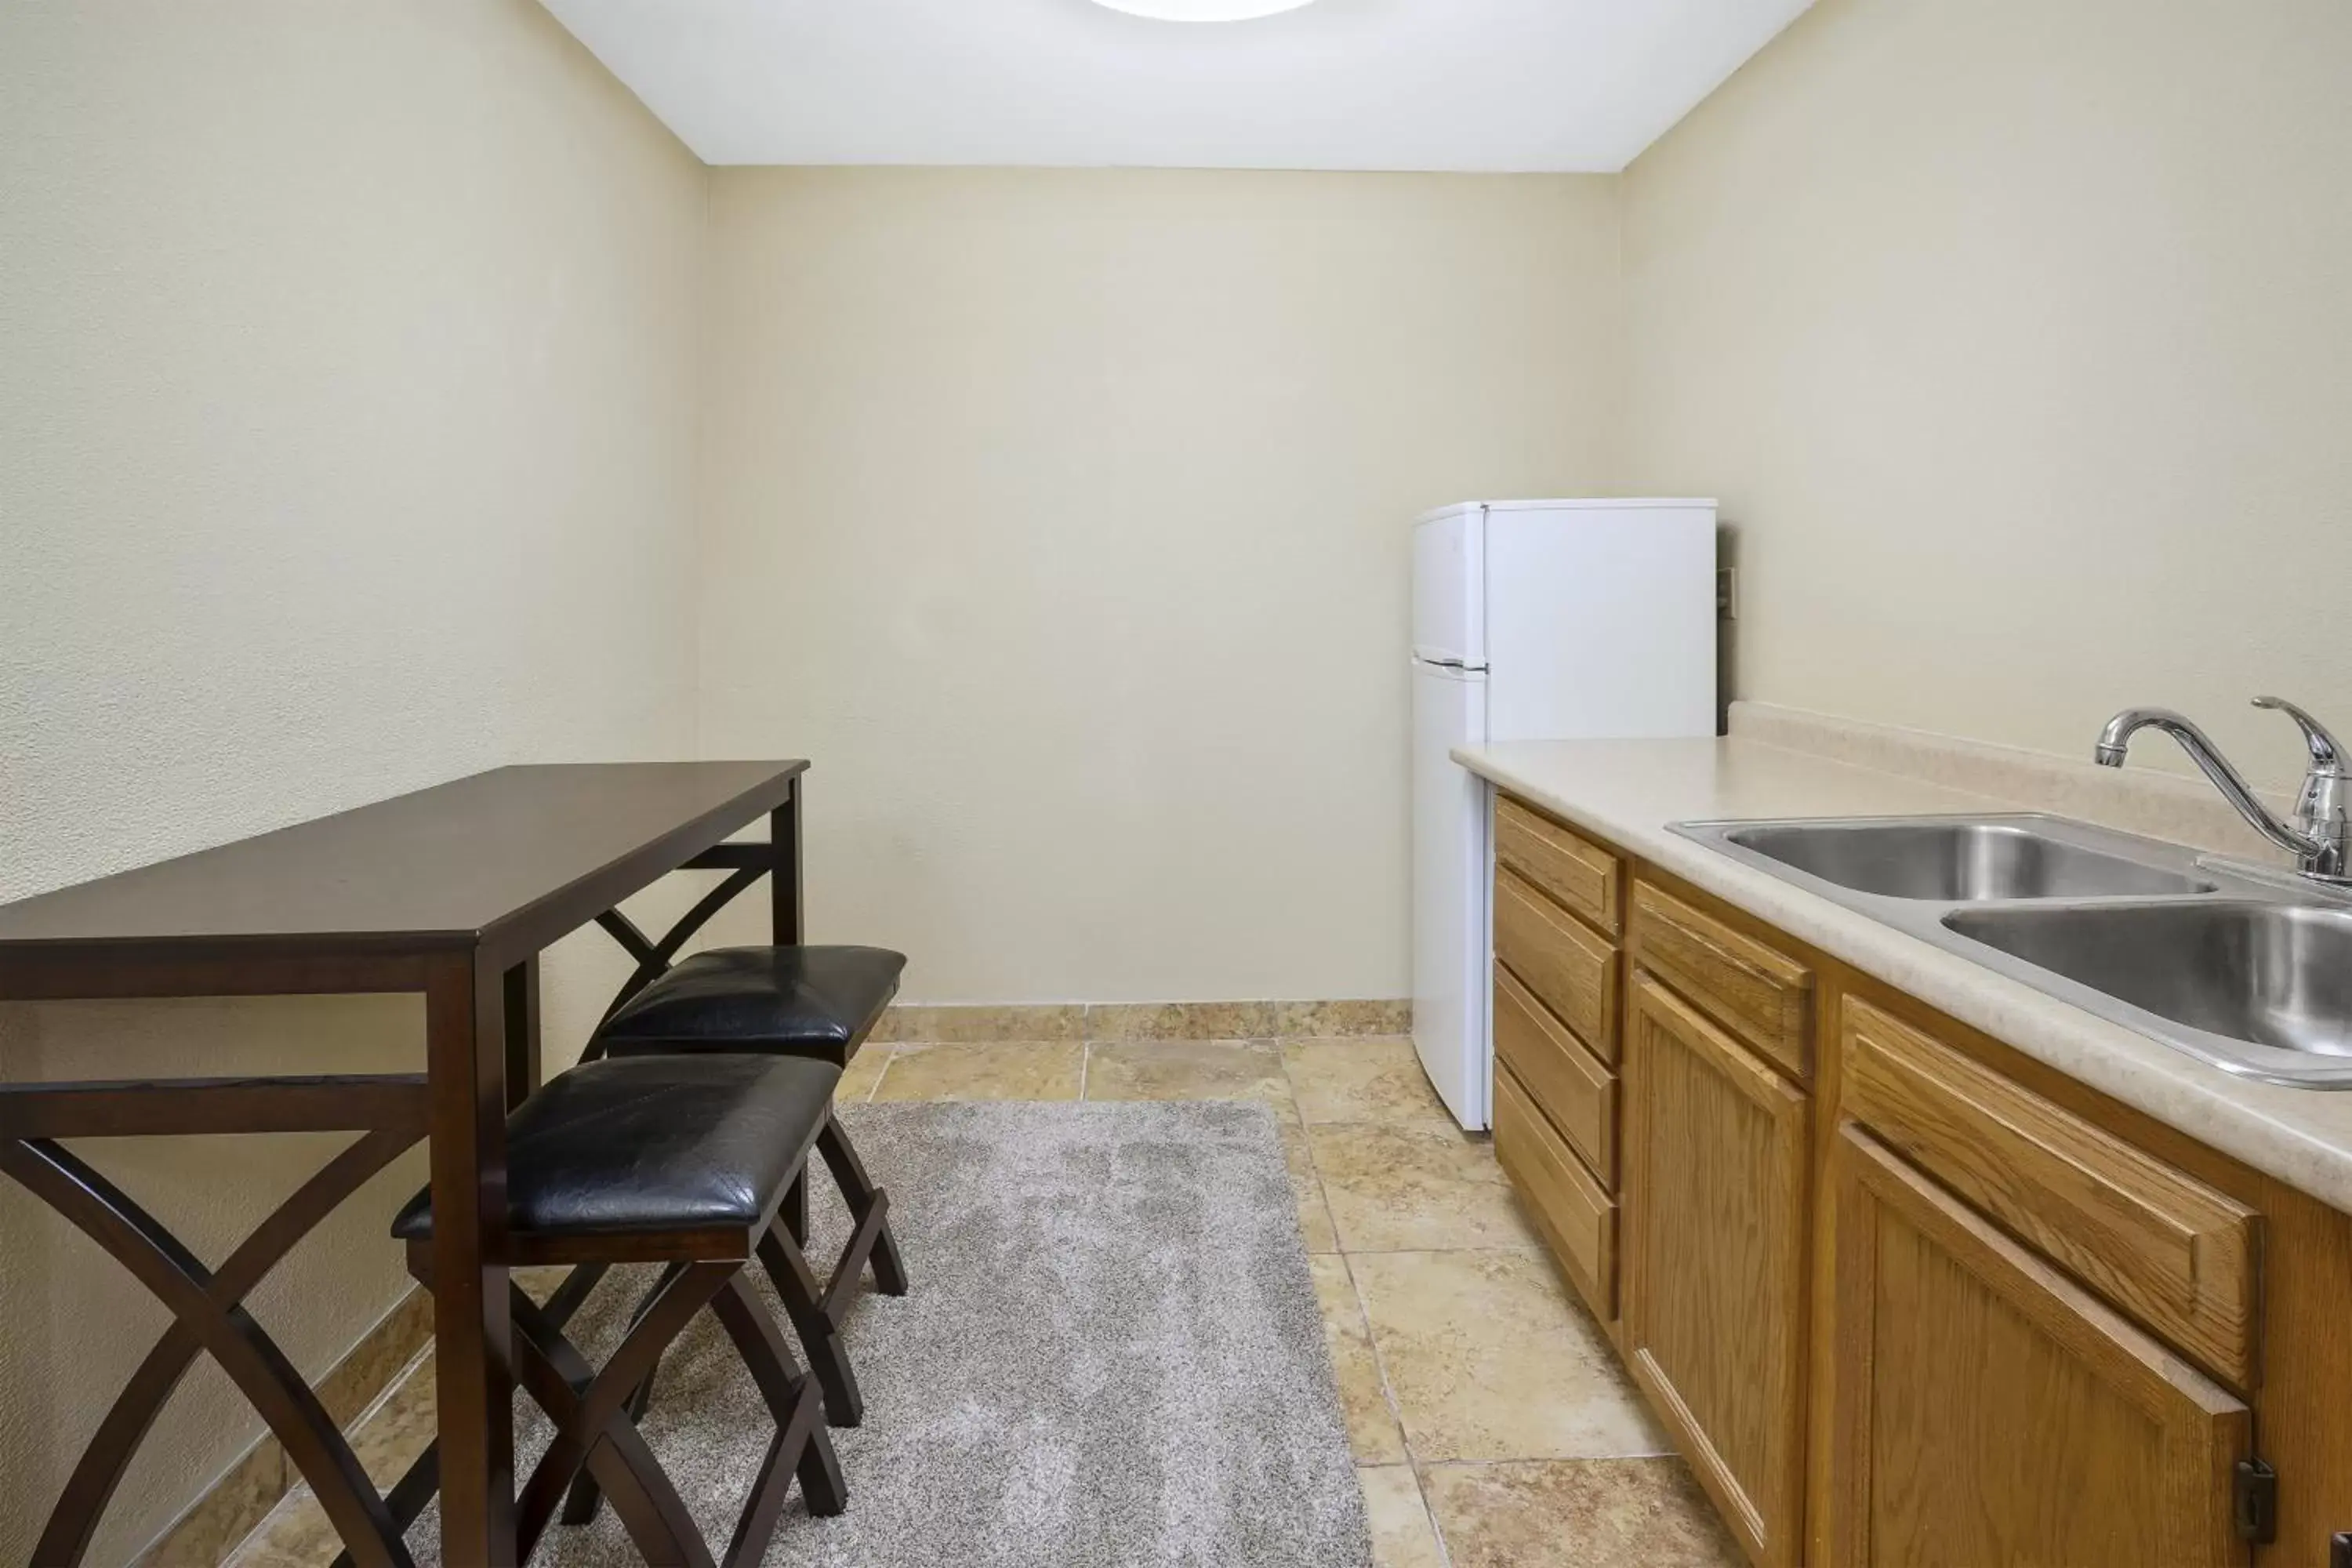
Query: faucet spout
point(2115, 740)
point(2316, 837)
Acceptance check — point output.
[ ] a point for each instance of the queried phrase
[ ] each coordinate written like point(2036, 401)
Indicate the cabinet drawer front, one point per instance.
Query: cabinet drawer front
point(1761, 995)
point(1570, 971)
point(1581, 876)
point(1577, 1092)
point(1575, 1216)
point(2159, 1245)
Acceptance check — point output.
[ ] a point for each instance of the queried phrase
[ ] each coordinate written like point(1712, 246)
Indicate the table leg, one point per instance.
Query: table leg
point(522, 1031)
point(466, 1066)
point(788, 913)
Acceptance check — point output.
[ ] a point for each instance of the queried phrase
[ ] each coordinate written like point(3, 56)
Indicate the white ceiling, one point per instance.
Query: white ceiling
point(1574, 85)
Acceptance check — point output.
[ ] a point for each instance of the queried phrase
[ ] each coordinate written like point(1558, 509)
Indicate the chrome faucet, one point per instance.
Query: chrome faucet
point(2319, 834)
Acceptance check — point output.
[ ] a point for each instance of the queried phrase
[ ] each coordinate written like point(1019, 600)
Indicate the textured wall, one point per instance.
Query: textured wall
point(349, 442)
point(1065, 516)
point(346, 445)
point(2015, 338)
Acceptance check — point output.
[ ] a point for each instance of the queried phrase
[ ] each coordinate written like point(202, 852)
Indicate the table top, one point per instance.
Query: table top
point(449, 867)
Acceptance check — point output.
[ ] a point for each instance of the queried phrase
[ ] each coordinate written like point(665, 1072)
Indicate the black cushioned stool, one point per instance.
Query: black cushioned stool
point(811, 1003)
point(683, 1161)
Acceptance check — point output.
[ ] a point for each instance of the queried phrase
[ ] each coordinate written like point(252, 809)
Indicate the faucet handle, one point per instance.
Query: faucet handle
point(2326, 754)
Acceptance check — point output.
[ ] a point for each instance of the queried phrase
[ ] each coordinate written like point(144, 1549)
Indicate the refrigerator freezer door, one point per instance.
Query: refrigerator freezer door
point(1450, 911)
point(1601, 622)
point(1449, 588)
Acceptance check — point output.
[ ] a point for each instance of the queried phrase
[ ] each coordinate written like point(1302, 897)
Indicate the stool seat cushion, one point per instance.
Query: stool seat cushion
point(802, 1001)
point(653, 1144)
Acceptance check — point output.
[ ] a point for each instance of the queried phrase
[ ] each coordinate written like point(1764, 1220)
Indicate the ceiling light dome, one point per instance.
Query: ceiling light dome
point(1203, 10)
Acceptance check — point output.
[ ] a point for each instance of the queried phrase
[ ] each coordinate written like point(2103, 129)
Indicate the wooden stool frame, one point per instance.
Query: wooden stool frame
point(817, 1312)
point(597, 1446)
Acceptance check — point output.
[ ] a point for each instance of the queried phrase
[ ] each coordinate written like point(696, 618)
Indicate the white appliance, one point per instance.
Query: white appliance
point(1533, 620)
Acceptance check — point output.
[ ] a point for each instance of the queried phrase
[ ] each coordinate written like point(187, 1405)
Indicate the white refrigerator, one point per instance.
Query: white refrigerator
point(1533, 620)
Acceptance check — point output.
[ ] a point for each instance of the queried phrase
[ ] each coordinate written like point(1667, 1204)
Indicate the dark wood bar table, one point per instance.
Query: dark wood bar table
point(451, 892)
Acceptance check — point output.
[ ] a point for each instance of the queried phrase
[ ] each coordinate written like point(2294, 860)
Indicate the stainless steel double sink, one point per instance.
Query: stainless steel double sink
point(2251, 976)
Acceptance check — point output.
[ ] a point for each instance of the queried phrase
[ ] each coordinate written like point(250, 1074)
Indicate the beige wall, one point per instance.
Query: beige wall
point(1063, 517)
point(346, 445)
point(371, 369)
point(2017, 339)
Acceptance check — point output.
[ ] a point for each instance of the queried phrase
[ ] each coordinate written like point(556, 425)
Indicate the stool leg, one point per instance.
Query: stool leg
point(795, 1284)
point(592, 1429)
point(573, 1294)
point(546, 1367)
point(796, 1211)
point(802, 1444)
point(654, 1516)
point(551, 1371)
point(580, 1505)
point(866, 1205)
point(757, 1524)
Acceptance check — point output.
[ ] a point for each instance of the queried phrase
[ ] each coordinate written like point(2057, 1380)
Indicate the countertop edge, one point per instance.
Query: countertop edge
point(2258, 1124)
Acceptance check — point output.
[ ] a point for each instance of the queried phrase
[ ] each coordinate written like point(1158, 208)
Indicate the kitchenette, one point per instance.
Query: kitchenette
point(1877, 1189)
point(1133, 783)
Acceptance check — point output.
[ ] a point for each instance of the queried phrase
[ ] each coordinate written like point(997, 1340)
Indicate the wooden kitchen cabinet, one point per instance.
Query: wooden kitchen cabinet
point(1902, 1295)
point(1986, 1409)
point(2164, 1248)
point(1714, 1155)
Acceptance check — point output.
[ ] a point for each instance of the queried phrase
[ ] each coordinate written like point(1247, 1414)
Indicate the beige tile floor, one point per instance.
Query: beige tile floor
point(1491, 1425)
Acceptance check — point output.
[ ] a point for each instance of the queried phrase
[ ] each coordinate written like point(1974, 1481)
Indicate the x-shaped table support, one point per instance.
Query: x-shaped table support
point(207, 1305)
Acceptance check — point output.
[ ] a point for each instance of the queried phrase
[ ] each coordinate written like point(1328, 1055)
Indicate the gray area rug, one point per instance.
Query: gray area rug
point(1111, 1356)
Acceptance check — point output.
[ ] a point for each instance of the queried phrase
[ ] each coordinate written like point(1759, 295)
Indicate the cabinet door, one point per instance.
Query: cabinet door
point(1984, 1408)
point(1713, 1155)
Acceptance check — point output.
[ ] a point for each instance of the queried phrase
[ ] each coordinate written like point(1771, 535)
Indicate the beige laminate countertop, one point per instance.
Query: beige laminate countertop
point(1628, 791)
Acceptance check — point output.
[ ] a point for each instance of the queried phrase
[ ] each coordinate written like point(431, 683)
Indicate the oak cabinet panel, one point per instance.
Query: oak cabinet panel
point(1576, 1091)
point(1715, 1149)
point(1575, 1216)
point(1752, 989)
point(1581, 875)
point(1571, 971)
point(1986, 1409)
point(2161, 1245)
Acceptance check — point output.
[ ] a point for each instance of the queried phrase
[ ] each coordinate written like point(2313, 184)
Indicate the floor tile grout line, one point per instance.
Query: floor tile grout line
point(1364, 1315)
point(1416, 1466)
point(1282, 1059)
point(1305, 1136)
point(1396, 1412)
point(1438, 1251)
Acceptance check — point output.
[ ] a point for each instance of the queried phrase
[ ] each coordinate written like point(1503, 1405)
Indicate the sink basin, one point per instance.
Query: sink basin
point(1956, 861)
point(2223, 966)
point(2277, 976)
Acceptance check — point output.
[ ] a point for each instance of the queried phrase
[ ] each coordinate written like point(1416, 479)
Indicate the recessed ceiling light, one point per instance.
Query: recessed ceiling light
point(1203, 10)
